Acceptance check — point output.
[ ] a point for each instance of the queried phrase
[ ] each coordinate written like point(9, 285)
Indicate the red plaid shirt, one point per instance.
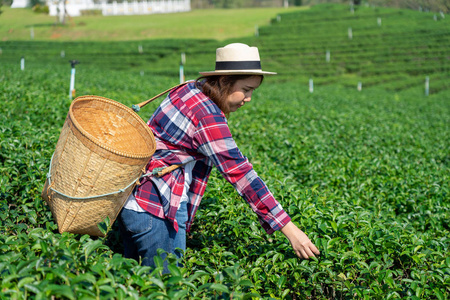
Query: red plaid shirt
point(189, 126)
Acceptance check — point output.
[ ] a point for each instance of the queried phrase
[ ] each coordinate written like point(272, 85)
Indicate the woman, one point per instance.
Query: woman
point(191, 131)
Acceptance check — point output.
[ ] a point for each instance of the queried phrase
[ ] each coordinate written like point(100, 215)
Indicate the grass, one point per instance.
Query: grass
point(218, 24)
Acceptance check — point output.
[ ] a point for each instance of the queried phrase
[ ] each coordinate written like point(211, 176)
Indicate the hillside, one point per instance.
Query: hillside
point(389, 48)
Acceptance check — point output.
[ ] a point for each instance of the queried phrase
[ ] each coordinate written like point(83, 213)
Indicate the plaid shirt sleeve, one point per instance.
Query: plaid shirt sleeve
point(213, 139)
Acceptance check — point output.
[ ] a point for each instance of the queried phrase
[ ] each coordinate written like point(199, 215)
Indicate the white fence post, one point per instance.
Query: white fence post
point(183, 60)
point(181, 73)
point(114, 8)
point(427, 86)
point(145, 6)
point(72, 79)
point(22, 63)
point(72, 83)
point(311, 85)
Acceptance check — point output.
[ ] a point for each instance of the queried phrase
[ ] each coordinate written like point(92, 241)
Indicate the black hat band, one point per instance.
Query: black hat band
point(238, 65)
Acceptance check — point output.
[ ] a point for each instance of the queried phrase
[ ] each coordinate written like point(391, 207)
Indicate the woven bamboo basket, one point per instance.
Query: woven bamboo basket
point(102, 151)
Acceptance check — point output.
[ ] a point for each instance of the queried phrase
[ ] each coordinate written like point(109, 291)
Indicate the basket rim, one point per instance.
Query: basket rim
point(92, 139)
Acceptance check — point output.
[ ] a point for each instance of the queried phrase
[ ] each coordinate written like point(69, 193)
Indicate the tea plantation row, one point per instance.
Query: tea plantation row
point(364, 174)
point(401, 43)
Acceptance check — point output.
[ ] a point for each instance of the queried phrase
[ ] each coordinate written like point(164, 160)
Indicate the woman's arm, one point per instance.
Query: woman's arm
point(214, 140)
point(301, 244)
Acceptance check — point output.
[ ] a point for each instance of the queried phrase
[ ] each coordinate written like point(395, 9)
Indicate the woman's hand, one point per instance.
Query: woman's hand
point(300, 242)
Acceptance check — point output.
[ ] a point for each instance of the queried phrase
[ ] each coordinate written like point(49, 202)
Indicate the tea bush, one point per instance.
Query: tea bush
point(364, 174)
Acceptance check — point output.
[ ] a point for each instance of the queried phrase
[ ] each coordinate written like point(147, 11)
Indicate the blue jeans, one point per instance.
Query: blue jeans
point(143, 233)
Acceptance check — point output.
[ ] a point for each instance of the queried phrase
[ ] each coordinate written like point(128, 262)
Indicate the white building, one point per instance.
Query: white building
point(20, 3)
point(74, 8)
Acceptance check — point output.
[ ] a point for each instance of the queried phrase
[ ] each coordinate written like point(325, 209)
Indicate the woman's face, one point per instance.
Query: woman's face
point(241, 92)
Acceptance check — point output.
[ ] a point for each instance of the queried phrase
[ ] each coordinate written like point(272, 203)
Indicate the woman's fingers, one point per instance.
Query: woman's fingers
point(307, 250)
point(309, 253)
point(314, 249)
point(305, 253)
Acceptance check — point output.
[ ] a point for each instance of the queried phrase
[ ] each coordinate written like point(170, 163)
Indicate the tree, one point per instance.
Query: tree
point(61, 13)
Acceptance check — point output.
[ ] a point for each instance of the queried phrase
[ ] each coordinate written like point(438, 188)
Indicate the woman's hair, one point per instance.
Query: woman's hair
point(218, 88)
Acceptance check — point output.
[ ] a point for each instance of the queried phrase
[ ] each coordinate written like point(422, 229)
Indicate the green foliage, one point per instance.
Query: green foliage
point(91, 12)
point(395, 48)
point(364, 174)
point(397, 55)
point(41, 8)
point(427, 5)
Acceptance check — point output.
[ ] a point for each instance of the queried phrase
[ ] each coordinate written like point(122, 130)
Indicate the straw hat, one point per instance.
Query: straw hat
point(237, 59)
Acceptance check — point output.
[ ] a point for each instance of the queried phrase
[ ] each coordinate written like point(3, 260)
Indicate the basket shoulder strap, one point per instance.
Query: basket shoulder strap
point(159, 172)
point(137, 107)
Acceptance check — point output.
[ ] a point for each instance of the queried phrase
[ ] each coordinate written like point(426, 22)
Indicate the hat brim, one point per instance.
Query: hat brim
point(237, 72)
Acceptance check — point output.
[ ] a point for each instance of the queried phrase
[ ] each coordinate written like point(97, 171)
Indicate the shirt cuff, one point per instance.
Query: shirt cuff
point(276, 224)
